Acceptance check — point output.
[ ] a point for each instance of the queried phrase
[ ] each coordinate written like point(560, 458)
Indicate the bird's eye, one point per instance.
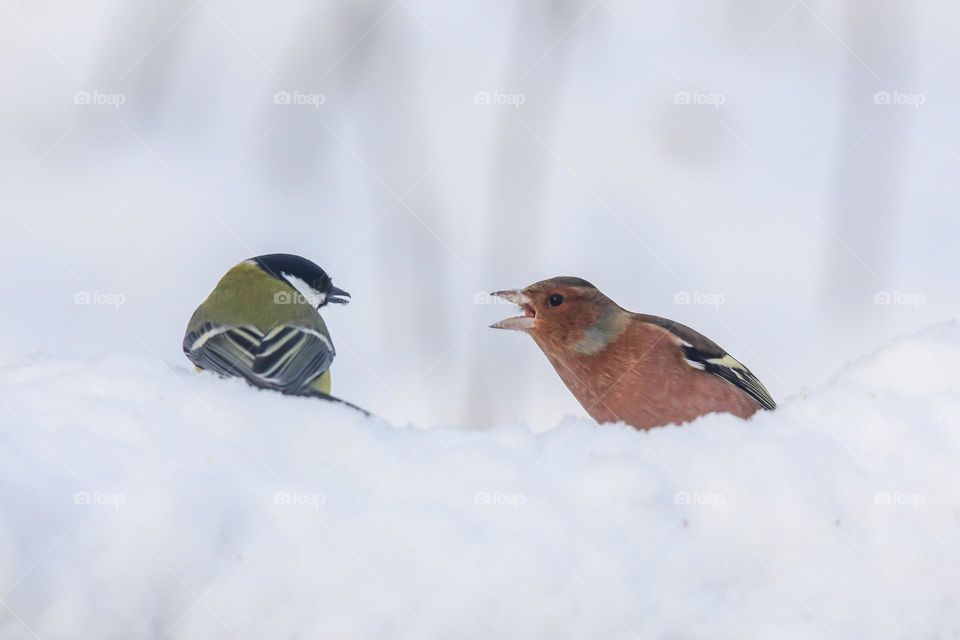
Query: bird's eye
point(555, 300)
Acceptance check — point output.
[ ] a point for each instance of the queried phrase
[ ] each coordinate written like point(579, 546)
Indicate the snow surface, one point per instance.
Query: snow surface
point(144, 501)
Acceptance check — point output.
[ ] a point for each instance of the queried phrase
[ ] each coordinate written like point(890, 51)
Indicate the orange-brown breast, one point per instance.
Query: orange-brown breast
point(642, 379)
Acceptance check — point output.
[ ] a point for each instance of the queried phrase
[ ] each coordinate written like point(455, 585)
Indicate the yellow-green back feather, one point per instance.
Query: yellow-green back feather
point(247, 292)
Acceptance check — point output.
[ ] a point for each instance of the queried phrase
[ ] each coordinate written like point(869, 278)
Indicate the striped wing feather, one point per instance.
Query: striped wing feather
point(729, 369)
point(703, 353)
point(287, 358)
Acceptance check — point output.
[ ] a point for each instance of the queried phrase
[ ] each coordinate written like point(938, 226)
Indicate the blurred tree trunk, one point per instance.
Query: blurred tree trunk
point(395, 143)
point(869, 181)
point(362, 50)
point(544, 40)
point(146, 41)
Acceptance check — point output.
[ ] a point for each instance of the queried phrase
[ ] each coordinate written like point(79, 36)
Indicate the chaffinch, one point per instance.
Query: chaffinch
point(640, 369)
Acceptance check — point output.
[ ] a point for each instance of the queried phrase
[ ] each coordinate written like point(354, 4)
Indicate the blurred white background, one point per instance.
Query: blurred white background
point(787, 167)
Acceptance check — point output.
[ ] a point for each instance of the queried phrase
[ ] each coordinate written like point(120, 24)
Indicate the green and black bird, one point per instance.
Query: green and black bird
point(262, 323)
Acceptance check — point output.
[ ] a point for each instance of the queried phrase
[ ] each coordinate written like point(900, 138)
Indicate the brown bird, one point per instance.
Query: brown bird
point(640, 369)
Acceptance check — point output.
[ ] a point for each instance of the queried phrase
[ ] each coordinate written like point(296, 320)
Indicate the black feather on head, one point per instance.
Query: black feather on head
point(285, 266)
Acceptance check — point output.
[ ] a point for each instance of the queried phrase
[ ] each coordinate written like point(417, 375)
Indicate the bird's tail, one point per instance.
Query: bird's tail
point(314, 393)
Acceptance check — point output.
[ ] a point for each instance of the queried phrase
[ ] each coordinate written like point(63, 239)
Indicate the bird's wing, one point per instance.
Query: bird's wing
point(287, 358)
point(292, 356)
point(223, 349)
point(703, 353)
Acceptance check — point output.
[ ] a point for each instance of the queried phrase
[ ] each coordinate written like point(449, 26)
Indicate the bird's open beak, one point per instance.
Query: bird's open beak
point(338, 296)
point(527, 321)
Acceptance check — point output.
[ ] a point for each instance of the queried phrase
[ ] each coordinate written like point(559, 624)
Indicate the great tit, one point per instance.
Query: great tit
point(262, 323)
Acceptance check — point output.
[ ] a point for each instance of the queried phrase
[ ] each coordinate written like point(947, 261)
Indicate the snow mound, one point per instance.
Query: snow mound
point(140, 501)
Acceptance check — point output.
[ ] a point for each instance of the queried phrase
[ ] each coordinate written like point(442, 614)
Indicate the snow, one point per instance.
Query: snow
point(142, 500)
